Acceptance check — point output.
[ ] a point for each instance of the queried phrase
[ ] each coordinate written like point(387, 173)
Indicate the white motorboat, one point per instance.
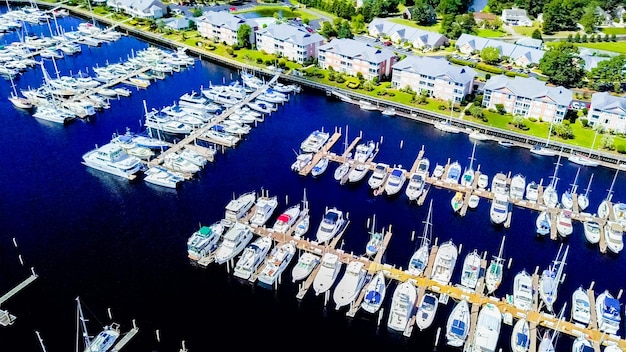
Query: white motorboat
point(342, 170)
point(415, 187)
point(375, 241)
point(252, 256)
point(112, 158)
point(476, 135)
point(582, 344)
point(53, 114)
point(438, 171)
point(446, 126)
point(619, 211)
point(389, 112)
point(158, 120)
point(161, 176)
point(473, 201)
point(395, 181)
point(218, 135)
point(426, 310)
point(517, 188)
point(358, 172)
point(499, 184)
point(302, 226)
point(319, 167)
point(350, 284)
point(445, 260)
point(581, 306)
point(532, 191)
point(327, 274)
point(457, 201)
point(583, 198)
point(564, 223)
point(538, 149)
point(543, 223)
point(520, 336)
point(612, 347)
point(331, 225)
point(613, 235)
point(583, 160)
point(483, 181)
point(278, 260)
point(487, 329)
point(419, 259)
point(458, 324)
point(454, 173)
point(193, 157)
point(304, 266)
point(302, 160)
point(286, 219)
point(263, 209)
point(505, 143)
point(237, 208)
point(402, 304)
point(471, 270)
point(551, 279)
point(379, 176)
point(176, 162)
point(499, 210)
point(315, 141)
point(493, 275)
point(375, 291)
point(362, 153)
point(608, 313)
point(233, 242)
point(592, 231)
point(523, 295)
point(603, 209)
point(204, 241)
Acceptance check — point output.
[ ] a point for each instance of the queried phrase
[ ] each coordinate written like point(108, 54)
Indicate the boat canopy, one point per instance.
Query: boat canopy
point(611, 308)
point(458, 327)
point(284, 218)
point(206, 231)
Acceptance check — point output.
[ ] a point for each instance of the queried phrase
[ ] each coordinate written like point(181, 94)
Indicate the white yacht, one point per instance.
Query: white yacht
point(204, 241)
point(277, 262)
point(487, 329)
point(518, 187)
point(112, 158)
point(233, 242)
point(613, 235)
point(592, 231)
point(543, 223)
point(532, 191)
point(458, 324)
point(471, 270)
point(608, 313)
point(327, 274)
point(331, 225)
point(454, 173)
point(363, 152)
point(193, 157)
point(315, 141)
point(444, 262)
point(161, 176)
point(483, 181)
point(305, 265)
point(176, 162)
point(374, 293)
point(379, 175)
point(426, 310)
point(523, 291)
point(263, 209)
point(320, 167)
point(402, 305)
point(350, 284)
point(415, 187)
point(237, 208)
point(252, 256)
point(582, 344)
point(438, 171)
point(581, 306)
point(302, 160)
point(395, 181)
point(564, 223)
point(302, 226)
point(286, 219)
point(499, 210)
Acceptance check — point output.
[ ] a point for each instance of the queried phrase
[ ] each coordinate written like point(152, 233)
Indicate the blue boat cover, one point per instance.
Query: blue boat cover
point(458, 327)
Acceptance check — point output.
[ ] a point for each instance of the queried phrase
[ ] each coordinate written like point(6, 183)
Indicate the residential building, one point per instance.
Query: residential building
point(527, 97)
point(351, 57)
point(177, 23)
point(437, 76)
point(222, 26)
point(516, 17)
point(530, 43)
point(139, 8)
point(398, 33)
point(609, 111)
point(294, 43)
point(519, 55)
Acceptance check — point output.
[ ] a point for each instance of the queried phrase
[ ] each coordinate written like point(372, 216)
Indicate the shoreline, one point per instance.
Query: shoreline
point(609, 160)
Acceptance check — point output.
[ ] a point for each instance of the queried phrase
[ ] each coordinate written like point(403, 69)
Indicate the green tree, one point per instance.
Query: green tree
point(196, 12)
point(562, 65)
point(537, 34)
point(590, 19)
point(358, 23)
point(609, 72)
point(490, 55)
point(423, 13)
point(451, 7)
point(453, 26)
point(243, 36)
point(577, 38)
point(344, 31)
point(327, 30)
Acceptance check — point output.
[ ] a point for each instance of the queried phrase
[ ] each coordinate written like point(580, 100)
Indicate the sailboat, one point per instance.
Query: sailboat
point(583, 198)
point(548, 340)
point(603, 208)
point(493, 276)
point(376, 240)
point(567, 196)
point(458, 325)
point(343, 169)
point(551, 279)
point(102, 342)
point(467, 179)
point(538, 149)
point(18, 101)
point(585, 160)
point(520, 337)
point(445, 125)
point(419, 259)
point(550, 195)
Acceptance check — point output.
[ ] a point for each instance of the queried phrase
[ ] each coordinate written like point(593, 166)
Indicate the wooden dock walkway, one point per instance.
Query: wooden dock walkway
point(7, 318)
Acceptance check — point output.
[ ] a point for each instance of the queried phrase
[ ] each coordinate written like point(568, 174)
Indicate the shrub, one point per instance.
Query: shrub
point(621, 148)
point(532, 119)
point(259, 60)
point(340, 79)
point(351, 85)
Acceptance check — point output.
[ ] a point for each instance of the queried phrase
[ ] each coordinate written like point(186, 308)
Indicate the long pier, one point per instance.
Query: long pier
point(7, 318)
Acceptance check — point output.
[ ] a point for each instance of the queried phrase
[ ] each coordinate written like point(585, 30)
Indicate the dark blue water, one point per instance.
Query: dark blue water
point(123, 245)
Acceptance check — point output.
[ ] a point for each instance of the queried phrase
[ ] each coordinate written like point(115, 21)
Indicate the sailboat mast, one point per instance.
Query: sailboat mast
point(610, 194)
point(81, 326)
point(588, 186)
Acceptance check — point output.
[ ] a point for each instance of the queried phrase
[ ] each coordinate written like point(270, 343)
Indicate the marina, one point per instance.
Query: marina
point(121, 244)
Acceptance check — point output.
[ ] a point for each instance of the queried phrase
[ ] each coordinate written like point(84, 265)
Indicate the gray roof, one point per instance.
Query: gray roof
point(515, 13)
point(355, 49)
point(606, 102)
point(530, 88)
point(140, 5)
point(225, 19)
point(387, 27)
point(506, 49)
point(529, 42)
point(591, 61)
point(436, 67)
point(291, 34)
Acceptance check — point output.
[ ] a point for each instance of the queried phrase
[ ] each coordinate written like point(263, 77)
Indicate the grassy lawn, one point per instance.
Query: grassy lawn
point(283, 11)
point(526, 31)
point(618, 47)
point(434, 28)
point(490, 33)
point(613, 30)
